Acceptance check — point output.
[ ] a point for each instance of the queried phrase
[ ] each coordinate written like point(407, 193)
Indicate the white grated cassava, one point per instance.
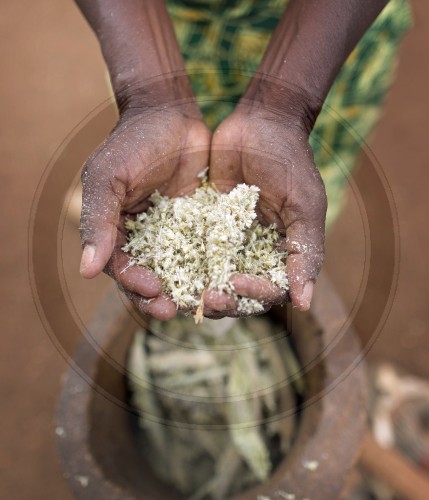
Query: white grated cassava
point(196, 243)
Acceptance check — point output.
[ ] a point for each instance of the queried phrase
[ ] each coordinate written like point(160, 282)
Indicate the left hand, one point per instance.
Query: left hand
point(273, 153)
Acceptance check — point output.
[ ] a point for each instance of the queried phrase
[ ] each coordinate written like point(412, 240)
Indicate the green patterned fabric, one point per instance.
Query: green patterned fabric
point(223, 42)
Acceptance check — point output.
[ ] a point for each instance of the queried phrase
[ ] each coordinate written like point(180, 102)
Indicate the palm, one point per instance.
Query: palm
point(276, 158)
point(158, 151)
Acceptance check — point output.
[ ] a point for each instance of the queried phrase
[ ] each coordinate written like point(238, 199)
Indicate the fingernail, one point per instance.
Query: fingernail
point(307, 295)
point(87, 258)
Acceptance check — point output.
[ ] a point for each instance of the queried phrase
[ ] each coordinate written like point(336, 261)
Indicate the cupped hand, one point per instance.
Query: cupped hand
point(273, 153)
point(156, 149)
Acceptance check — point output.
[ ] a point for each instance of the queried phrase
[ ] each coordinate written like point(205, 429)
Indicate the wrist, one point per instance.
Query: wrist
point(277, 100)
point(173, 93)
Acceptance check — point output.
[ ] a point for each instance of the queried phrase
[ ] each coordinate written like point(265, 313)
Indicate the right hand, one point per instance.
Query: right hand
point(154, 149)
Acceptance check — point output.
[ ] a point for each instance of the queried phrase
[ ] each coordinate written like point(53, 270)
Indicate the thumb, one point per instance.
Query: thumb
point(103, 194)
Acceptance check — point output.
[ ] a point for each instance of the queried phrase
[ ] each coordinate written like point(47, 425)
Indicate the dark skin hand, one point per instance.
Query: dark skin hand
point(155, 150)
point(160, 141)
point(276, 157)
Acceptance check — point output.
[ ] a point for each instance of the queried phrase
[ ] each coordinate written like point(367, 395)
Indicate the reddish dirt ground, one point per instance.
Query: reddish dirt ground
point(52, 76)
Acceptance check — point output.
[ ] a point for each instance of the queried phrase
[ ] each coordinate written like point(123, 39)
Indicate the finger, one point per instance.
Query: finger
point(303, 215)
point(129, 277)
point(301, 294)
point(161, 307)
point(218, 301)
point(218, 305)
point(103, 195)
point(305, 247)
point(258, 288)
point(132, 278)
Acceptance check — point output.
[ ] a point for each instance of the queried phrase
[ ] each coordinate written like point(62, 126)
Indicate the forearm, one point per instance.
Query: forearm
point(140, 49)
point(307, 49)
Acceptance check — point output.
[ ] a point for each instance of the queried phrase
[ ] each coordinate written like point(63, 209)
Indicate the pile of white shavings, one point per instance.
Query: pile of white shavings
point(195, 243)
